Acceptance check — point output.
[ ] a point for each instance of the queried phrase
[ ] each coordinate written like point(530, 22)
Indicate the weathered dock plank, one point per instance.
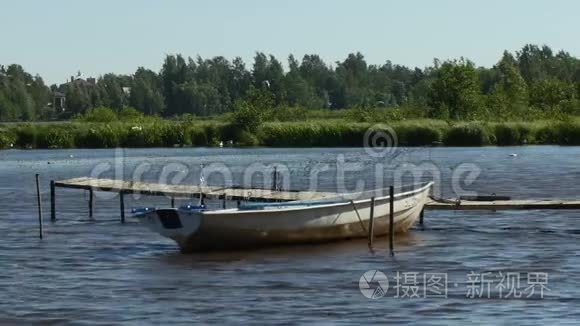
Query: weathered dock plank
point(504, 205)
point(157, 189)
point(195, 191)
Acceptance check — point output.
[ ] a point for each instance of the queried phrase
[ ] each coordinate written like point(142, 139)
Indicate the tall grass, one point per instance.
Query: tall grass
point(318, 133)
point(7, 139)
point(468, 134)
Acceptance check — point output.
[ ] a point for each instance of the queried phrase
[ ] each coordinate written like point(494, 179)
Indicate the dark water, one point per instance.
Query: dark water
point(103, 272)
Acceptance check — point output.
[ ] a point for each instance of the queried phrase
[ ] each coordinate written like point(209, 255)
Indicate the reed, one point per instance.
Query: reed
point(7, 139)
point(468, 134)
point(312, 134)
point(61, 136)
point(420, 132)
point(317, 133)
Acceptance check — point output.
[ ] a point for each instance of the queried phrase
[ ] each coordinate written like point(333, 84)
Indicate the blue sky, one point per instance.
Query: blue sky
point(59, 37)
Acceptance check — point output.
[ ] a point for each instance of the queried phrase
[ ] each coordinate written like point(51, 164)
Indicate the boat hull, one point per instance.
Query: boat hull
point(236, 229)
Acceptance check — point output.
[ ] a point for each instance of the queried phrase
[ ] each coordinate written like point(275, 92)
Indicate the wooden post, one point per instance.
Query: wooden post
point(239, 203)
point(275, 179)
point(172, 202)
point(421, 216)
point(122, 204)
point(371, 223)
point(52, 201)
point(91, 202)
point(224, 203)
point(392, 220)
point(202, 199)
point(39, 202)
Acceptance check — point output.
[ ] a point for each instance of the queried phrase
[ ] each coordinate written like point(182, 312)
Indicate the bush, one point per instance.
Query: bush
point(99, 137)
point(130, 114)
point(507, 135)
point(569, 133)
point(25, 136)
point(174, 134)
point(312, 134)
point(100, 114)
point(472, 134)
point(247, 139)
point(7, 139)
point(418, 135)
point(547, 134)
point(55, 137)
point(149, 135)
point(197, 136)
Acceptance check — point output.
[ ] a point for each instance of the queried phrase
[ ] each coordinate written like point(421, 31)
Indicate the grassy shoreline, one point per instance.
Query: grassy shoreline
point(317, 133)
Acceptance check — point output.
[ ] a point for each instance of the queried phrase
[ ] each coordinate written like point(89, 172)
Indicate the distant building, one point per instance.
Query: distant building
point(59, 96)
point(58, 101)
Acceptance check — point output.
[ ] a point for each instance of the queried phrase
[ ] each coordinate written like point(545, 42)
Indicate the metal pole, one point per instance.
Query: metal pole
point(39, 202)
point(371, 223)
point(392, 220)
point(52, 201)
point(91, 202)
point(421, 216)
point(172, 202)
point(122, 204)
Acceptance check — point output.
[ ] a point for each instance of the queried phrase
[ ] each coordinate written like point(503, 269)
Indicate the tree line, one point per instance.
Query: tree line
point(533, 80)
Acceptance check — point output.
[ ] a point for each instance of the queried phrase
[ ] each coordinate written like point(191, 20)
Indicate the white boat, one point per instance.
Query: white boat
point(195, 228)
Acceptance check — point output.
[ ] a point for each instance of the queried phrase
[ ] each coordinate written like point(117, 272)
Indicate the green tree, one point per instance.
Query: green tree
point(173, 74)
point(509, 96)
point(455, 92)
point(111, 90)
point(268, 74)
point(146, 94)
point(553, 95)
point(298, 91)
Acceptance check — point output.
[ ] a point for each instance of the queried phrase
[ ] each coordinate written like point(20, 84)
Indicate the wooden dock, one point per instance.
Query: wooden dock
point(244, 194)
point(174, 192)
point(464, 205)
point(188, 191)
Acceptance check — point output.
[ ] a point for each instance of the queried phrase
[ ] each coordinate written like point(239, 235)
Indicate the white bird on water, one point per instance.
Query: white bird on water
point(513, 155)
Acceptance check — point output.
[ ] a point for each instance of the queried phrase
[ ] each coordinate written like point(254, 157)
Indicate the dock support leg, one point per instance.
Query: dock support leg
point(91, 202)
point(371, 224)
point(172, 202)
point(224, 202)
point(392, 220)
point(421, 216)
point(52, 201)
point(39, 202)
point(122, 204)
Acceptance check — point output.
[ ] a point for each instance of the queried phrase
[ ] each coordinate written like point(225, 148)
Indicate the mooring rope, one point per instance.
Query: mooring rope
point(358, 215)
point(456, 202)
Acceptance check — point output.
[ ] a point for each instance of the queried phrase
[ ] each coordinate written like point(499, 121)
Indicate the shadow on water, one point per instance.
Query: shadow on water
point(341, 249)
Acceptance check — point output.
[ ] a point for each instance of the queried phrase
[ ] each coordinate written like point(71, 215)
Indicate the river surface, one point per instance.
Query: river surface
point(105, 272)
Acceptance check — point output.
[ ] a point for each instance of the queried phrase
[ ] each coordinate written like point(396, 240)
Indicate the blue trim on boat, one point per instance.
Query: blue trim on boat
point(192, 208)
point(141, 211)
point(260, 206)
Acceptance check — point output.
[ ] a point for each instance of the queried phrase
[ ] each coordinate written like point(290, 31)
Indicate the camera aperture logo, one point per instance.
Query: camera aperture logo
point(373, 284)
